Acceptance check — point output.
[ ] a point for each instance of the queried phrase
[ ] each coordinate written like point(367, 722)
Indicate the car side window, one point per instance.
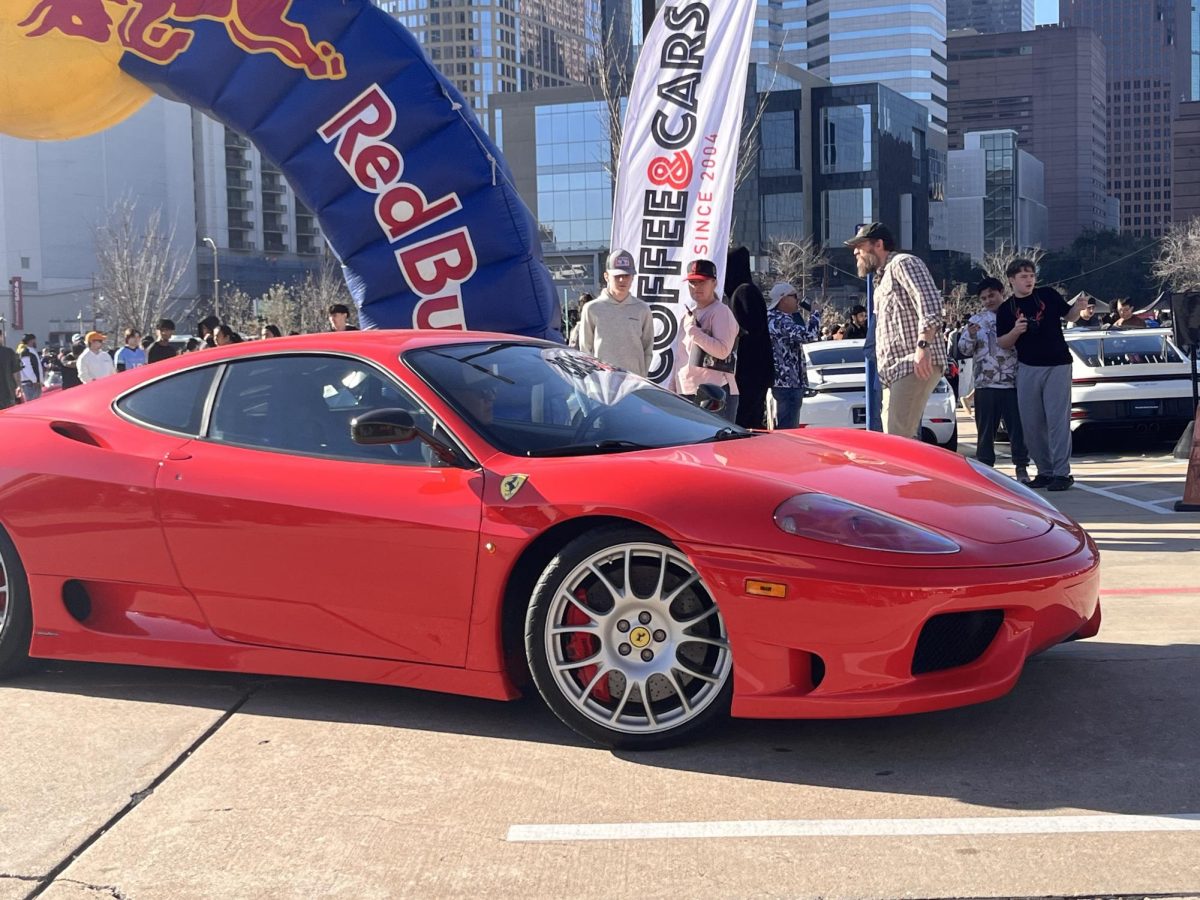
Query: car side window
point(305, 404)
point(174, 403)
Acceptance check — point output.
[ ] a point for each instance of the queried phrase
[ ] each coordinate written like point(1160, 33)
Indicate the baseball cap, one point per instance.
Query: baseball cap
point(620, 262)
point(781, 290)
point(871, 231)
point(701, 270)
point(93, 336)
point(29, 337)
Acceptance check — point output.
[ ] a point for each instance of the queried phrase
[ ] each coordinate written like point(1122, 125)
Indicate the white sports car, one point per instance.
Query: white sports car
point(1135, 380)
point(836, 395)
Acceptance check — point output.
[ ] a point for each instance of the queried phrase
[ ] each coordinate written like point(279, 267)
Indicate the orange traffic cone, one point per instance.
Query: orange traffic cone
point(1191, 487)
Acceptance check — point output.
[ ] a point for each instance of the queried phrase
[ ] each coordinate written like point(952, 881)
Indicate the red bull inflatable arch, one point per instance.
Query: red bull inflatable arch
point(411, 193)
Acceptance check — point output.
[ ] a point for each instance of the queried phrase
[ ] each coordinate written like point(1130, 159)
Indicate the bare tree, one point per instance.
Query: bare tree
point(238, 310)
point(958, 303)
point(611, 64)
point(1178, 262)
point(138, 267)
point(793, 258)
point(996, 263)
point(321, 288)
point(278, 307)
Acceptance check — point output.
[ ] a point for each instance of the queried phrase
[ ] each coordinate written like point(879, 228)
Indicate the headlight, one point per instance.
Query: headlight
point(836, 521)
point(809, 392)
point(1012, 486)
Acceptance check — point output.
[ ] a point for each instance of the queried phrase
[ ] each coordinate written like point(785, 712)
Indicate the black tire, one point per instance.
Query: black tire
point(689, 683)
point(16, 617)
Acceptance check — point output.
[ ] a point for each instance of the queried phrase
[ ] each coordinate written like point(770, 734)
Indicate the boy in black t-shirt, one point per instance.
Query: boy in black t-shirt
point(1032, 321)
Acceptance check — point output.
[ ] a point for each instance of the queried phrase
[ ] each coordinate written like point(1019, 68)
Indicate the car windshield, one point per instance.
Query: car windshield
point(832, 356)
point(546, 400)
point(1122, 349)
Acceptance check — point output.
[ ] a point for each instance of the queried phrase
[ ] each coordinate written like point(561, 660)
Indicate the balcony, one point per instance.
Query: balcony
point(236, 202)
point(272, 204)
point(240, 223)
point(236, 160)
point(235, 140)
point(307, 247)
point(272, 184)
point(270, 246)
point(237, 182)
point(236, 243)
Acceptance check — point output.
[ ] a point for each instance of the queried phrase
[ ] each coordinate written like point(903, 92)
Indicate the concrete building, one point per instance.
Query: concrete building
point(1047, 86)
point(995, 195)
point(1185, 163)
point(54, 194)
point(989, 16)
point(901, 45)
point(1152, 66)
point(263, 234)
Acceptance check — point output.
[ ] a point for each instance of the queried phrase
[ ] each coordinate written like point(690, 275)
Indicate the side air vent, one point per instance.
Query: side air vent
point(76, 600)
point(75, 433)
point(955, 639)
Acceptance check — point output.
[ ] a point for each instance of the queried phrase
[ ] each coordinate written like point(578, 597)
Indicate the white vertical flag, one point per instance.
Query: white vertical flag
point(675, 177)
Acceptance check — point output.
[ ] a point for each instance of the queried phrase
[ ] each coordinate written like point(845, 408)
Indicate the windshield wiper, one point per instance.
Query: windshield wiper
point(592, 447)
point(728, 433)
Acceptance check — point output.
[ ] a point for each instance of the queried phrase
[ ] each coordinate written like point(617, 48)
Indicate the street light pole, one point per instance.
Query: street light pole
point(216, 278)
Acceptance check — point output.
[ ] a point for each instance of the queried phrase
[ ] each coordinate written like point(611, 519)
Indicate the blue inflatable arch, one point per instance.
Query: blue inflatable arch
point(412, 195)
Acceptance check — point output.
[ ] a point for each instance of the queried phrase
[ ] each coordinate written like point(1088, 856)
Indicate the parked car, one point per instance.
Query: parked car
point(485, 514)
point(836, 396)
point(1133, 380)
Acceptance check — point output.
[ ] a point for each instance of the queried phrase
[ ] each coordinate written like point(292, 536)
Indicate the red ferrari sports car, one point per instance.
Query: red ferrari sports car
point(467, 512)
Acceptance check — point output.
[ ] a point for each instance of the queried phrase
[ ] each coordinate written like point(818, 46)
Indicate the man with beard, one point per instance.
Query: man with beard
point(910, 352)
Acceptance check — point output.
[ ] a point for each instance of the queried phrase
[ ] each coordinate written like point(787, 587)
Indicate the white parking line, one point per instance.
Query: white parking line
point(1113, 495)
point(647, 831)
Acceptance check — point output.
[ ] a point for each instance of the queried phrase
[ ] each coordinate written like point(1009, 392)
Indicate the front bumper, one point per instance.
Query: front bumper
point(844, 643)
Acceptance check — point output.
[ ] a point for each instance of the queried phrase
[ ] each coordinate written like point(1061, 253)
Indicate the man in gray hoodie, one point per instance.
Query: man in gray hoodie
point(617, 327)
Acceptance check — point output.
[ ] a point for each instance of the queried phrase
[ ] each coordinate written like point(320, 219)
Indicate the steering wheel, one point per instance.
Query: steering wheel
point(587, 423)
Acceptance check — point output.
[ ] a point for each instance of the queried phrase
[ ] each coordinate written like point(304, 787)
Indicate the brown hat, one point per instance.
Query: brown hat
point(93, 336)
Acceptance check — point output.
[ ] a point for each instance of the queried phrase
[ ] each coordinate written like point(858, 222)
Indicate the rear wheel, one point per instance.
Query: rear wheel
point(16, 620)
point(625, 643)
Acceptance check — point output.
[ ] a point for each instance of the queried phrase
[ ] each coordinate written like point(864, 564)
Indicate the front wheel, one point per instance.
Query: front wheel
point(625, 643)
point(16, 620)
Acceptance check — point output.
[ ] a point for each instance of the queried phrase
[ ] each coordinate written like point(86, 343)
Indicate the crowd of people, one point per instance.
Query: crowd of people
point(88, 356)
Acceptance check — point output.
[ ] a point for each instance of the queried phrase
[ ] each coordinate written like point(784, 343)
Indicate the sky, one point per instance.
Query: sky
point(1045, 11)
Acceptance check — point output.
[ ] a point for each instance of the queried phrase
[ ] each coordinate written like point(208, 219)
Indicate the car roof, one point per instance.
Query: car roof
point(825, 345)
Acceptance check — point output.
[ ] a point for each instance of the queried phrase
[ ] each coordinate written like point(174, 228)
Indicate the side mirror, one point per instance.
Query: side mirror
point(710, 397)
point(383, 426)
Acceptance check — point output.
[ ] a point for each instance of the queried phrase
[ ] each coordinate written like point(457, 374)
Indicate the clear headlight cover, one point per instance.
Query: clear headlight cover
point(1012, 486)
point(836, 521)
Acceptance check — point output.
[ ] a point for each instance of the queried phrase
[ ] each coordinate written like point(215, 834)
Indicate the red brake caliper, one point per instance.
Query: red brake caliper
point(581, 646)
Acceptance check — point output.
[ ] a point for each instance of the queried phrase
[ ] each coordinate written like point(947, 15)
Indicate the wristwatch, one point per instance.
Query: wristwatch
point(922, 344)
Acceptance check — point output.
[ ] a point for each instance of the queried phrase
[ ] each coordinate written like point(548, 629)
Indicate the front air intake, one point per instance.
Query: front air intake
point(955, 639)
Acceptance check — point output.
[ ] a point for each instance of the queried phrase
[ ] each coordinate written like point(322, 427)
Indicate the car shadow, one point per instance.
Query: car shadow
point(1092, 725)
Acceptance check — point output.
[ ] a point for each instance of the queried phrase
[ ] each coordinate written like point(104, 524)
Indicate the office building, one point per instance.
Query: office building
point(1185, 163)
point(1047, 86)
point(1152, 67)
point(995, 196)
point(506, 48)
point(829, 157)
point(989, 16)
point(901, 45)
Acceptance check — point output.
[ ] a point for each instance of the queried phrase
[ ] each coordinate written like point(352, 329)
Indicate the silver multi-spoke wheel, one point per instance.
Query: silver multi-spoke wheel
point(4, 589)
point(630, 640)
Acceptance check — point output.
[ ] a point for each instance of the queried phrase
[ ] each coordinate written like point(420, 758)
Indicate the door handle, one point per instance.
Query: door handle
point(178, 455)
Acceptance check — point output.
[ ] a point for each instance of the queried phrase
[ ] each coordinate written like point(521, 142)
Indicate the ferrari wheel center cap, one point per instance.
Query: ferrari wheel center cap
point(639, 637)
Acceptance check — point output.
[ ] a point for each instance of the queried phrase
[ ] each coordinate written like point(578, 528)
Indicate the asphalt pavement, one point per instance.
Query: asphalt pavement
point(141, 783)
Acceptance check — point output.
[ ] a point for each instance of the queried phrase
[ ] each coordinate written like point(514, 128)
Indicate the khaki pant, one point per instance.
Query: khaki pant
point(904, 402)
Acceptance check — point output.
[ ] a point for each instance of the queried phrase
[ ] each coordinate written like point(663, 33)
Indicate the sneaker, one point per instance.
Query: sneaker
point(1040, 482)
point(1060, 482)
point(1023, 475)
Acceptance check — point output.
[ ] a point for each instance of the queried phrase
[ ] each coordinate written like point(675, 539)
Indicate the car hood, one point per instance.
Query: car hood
point(726, 493)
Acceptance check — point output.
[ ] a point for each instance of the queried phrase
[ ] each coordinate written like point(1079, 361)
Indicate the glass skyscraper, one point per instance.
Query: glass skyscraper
point(901, 45)
point(990, 16)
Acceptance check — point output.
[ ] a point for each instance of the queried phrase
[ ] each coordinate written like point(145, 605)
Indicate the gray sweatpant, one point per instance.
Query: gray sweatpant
point(1044, 399)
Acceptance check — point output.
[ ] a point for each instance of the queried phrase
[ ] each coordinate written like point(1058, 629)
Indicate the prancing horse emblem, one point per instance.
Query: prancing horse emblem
point(511, 484)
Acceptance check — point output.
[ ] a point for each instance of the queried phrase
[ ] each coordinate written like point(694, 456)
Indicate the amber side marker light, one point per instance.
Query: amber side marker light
point(766, 588)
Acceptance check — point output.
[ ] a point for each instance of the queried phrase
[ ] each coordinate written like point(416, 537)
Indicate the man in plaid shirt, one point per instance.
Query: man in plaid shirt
point(909, 351)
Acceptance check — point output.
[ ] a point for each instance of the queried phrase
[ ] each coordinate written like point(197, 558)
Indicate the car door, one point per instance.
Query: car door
point(291, 535)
